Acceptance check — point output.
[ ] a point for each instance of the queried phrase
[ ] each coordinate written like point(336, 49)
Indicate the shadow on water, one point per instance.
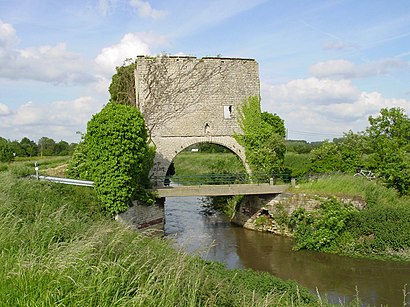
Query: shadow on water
point(200, 230)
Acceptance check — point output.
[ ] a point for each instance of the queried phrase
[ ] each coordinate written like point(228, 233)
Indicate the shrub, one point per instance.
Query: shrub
point(118, 156)
point(321, 230)
point(386, 228)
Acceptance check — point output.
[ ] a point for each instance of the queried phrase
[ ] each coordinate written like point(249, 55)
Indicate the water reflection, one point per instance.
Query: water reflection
point(209, 234)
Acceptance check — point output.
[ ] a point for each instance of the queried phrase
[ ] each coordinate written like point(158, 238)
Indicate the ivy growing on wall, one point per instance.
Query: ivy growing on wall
point(263, 138)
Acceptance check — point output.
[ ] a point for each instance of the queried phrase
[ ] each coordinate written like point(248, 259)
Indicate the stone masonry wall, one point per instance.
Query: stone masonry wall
point(211, 91)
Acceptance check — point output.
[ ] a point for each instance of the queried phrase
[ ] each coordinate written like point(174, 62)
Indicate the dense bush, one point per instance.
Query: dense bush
point(115, 155)
point(381, 228)
point(322, 230)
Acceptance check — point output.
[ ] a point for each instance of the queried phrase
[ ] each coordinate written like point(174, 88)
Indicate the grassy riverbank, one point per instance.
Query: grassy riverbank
point(57, 248)
point(380, 230)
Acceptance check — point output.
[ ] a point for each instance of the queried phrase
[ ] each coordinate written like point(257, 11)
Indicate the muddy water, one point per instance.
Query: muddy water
point(199, 230)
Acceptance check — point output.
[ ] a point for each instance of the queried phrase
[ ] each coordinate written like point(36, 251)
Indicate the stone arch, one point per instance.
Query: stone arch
point(169, 148)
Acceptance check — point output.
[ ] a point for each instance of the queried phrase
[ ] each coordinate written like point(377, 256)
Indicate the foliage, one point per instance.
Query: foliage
point(264, 147)
point(301, 146)
point(275, 122)
point(77, 166)
point(122, 87)
point(297, 165)
point(46, 146)
point(389, 139)
point(384, 148)
point(326, 158)
point(320, 230)
point(72, 255)
point(6, 152)
point(381, 228)
point(118, 157)
point(30, 147)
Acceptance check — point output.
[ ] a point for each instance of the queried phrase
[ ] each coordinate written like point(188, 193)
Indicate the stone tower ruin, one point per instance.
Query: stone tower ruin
point(186, 100)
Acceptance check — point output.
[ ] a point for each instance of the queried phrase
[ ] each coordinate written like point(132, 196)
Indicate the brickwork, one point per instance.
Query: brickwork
point(193, 100)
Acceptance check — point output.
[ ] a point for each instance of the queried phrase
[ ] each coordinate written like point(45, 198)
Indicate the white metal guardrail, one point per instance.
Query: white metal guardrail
point(84, 183)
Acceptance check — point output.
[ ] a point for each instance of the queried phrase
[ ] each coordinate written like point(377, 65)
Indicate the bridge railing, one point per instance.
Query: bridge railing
point(218, 179)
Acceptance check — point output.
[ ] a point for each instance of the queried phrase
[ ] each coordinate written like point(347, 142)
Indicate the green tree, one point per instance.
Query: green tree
point(275, 122)
point(353, 149)
point(46, 146)
point(389, 140)
point(62, 148)
point(6, 151)
point(263, 138)
point(326, 158)
point(29, 146)
point(17, 149)
point(117, 155)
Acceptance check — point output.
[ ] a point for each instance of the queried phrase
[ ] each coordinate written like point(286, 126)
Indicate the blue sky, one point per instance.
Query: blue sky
point(325, 66)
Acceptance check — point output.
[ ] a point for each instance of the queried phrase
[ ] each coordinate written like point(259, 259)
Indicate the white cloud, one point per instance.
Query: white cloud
point(313, 90)
point(8, 35)
point(145, 9)
point(4, 110)
point(315, 109)
point(130, 46)
point(46, 63)
point(58, 120)
point(348, 70)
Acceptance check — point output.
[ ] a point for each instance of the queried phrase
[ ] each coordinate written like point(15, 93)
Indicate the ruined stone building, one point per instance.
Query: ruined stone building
point(186, 100)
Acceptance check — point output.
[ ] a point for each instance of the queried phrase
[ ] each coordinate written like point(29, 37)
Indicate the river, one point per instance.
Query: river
point(197, 229)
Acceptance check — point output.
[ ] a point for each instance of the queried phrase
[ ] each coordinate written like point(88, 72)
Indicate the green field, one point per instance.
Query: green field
point(59, 249)
point(196, 163)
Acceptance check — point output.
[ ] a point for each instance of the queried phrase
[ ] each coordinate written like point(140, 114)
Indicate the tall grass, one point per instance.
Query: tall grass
point(58, 249)
point(373, 191)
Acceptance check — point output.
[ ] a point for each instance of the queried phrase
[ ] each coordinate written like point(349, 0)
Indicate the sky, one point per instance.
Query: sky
point(325, 66)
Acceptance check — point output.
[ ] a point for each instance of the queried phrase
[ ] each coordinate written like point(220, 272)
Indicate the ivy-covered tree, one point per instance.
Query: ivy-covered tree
point(122, 87)
point(262, 138)
point(117, 155)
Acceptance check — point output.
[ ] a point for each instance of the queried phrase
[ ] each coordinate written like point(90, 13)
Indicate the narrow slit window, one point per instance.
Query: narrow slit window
point(206, 129)
point(227, 112)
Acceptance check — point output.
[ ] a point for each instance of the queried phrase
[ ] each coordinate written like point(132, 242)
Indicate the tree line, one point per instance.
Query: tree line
point(383, 148)
point(28, 148)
